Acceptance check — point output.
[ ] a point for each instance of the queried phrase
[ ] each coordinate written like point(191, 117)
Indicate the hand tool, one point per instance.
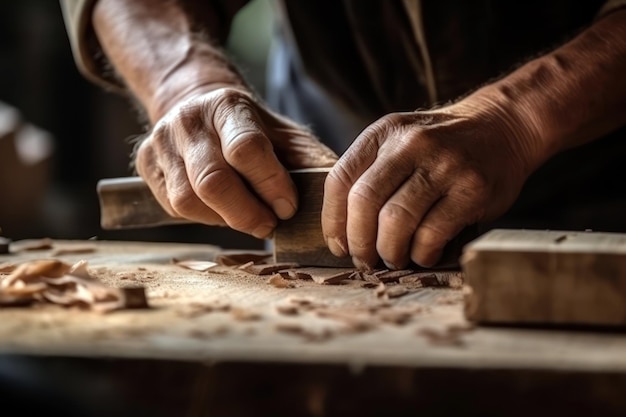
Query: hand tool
point(127, 203)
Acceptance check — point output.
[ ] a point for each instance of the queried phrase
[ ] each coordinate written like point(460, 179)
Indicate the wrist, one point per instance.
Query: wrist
point(190, 79)
point(518, 129)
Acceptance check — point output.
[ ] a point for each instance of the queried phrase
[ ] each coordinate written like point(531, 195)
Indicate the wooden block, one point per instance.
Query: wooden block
point(539, 277)
point(300, 238)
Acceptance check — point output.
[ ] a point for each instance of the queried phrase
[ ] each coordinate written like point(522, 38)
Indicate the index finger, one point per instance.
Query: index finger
point(248, 150)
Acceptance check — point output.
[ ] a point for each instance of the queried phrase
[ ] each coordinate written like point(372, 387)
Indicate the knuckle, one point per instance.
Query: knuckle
point(396, 215)
point(244, 146)
point(182, 200)
point(212, 183)
point(362, 193)
point(337, 180)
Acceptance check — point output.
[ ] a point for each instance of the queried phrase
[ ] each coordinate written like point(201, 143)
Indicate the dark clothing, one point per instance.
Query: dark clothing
point(338, 65)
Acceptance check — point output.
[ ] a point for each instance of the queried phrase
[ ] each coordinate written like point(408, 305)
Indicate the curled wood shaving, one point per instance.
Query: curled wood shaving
point(56, 282)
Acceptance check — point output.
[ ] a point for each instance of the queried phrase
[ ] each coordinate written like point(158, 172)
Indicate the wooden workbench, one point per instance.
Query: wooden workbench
point(410, 363)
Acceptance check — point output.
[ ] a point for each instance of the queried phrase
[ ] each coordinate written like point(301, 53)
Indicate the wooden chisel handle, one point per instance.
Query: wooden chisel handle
point(128, 203)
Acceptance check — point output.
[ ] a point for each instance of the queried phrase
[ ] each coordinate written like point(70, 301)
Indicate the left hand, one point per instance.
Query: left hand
point(412, 181)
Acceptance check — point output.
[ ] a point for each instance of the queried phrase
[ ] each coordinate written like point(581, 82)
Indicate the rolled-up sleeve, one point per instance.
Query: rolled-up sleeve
point(84, 43)
point(87, 52)
point(611, 6)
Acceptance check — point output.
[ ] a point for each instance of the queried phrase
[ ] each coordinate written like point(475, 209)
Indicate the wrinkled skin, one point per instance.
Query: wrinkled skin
point(220, 154)
point(412, 181)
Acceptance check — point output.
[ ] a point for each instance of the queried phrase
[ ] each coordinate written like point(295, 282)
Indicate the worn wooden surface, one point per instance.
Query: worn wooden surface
point(547, 277)
point(185, 321)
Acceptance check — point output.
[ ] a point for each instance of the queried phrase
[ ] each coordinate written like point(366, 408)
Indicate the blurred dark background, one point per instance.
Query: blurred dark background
point(60, 134)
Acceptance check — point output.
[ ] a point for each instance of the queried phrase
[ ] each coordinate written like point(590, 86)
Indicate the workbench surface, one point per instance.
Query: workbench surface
point(186, 320)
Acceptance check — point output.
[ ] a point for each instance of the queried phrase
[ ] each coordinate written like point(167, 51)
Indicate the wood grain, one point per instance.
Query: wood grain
point(191, 321)
point(300, 238)
point(546, 277)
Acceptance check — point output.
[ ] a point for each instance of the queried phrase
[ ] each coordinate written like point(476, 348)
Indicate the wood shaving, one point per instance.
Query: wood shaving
point(288, 310)
point(78, 250)
point(296, 275)
point(452, 299)
point(334, 279)
point(355, 320)
point(278, 281)
point(236, 259)
point(193, 310)
point(242, 314)
point(306, 303)
point(442, 337)
point(7, 268)
point(387, 275)
point(71, 285)
point(41, 244)
point(308, 334)
point(195, 265)
point(267, 269)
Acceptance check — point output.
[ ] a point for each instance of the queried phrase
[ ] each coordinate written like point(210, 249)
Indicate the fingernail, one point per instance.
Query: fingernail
point(360, 265)
point(283, 208)
point(389, 265)
point(336, 247)
point(263, 231)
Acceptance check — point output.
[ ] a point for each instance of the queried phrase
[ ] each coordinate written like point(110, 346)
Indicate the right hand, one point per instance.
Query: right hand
point(222, 158)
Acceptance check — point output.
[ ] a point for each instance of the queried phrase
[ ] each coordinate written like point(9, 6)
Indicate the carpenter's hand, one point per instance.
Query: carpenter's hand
point(221, 158)
point(412, 181)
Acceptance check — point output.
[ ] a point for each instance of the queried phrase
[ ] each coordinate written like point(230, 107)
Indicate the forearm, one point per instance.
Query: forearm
point(154, 47)
point(571, 96)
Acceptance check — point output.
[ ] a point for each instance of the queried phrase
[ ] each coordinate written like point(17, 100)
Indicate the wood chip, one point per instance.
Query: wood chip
point(306, 304)
point(308, 334)
point(296, 275)
point(78, 250)
point(397, 291)
point(334, 279)
point(193, 310)
point(278, 281)
point(392, 275)
point(441, 337)
point(267, 269)
point(242, 314)
point(355, 320)
point(7, 268)
point(288, 309)
point(236, 259)
point(195, 265)
point(40, 244)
